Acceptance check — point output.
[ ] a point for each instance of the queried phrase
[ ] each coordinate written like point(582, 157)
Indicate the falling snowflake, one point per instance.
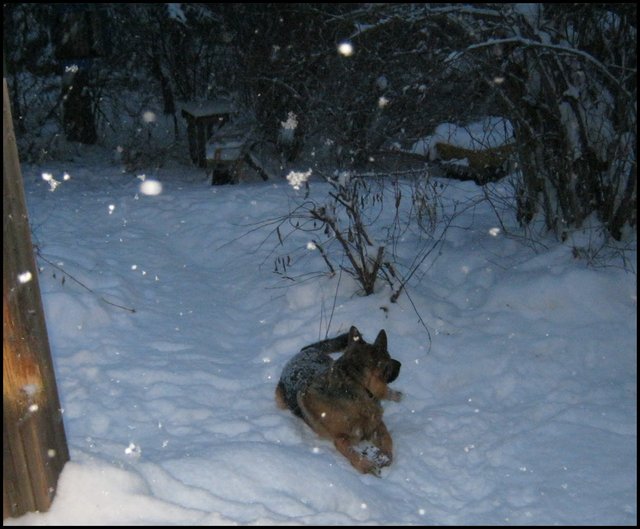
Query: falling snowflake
point(150, 187)
point(53, 183)
point(291, 123)
point(133, 450)
point(149, 117)
point(296, 179)
point(25, 277)
point(345, 49)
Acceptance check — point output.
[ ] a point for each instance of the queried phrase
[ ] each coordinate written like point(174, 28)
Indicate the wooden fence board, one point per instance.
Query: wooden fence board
point(33, 437)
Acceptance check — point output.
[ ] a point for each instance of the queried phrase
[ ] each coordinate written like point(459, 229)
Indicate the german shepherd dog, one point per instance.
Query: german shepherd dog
point(340, 400)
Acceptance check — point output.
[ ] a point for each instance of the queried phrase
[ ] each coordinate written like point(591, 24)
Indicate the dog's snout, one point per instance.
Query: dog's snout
point(393, 370)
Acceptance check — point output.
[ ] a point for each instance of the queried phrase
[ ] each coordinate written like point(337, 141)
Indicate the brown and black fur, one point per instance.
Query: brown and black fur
point(340, 400)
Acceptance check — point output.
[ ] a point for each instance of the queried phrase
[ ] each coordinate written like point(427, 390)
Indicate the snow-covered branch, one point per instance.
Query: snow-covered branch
point(555, 47)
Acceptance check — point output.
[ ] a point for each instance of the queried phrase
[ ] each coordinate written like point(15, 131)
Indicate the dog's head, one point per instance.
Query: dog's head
point(373, 362)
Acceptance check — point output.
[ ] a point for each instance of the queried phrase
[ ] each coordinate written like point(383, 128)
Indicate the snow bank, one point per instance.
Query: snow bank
point(521, 409)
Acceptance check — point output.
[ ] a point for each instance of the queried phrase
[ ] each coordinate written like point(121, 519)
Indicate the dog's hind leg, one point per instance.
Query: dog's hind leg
point(280, 402)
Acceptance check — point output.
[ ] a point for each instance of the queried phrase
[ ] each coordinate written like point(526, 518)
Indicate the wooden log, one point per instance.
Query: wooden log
point(478, 159)
point(34, 441)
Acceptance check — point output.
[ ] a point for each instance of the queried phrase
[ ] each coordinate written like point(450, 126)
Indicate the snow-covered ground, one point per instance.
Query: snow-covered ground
point(521, 409)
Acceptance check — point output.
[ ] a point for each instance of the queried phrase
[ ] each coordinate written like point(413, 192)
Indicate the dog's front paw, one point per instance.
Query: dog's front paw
point(365, 465)
point(369, 459)
point(368, 466)
point(376, 457)
point(395, 396)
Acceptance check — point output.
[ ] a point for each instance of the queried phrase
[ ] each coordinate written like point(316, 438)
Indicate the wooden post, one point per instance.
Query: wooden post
point(33, 438)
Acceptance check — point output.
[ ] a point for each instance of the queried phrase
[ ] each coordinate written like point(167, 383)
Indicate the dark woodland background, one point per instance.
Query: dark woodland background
point(563, 74)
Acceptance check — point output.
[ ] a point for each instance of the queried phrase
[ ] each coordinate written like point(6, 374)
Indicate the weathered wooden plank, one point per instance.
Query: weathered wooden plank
point(34, 441)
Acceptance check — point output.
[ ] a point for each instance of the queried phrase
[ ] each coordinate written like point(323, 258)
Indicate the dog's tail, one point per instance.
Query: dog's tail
point(331, 345)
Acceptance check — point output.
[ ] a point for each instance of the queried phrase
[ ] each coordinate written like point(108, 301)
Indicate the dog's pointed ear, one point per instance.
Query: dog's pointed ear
point(381, 340)
point(354, 335)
